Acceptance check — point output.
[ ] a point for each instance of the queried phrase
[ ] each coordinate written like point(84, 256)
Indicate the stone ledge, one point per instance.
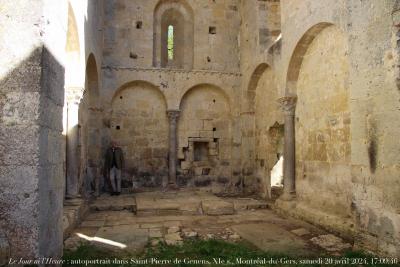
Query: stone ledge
point(198, 71)
point(217, 207)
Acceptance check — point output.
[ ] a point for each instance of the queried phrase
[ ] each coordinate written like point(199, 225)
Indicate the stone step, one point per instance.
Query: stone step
point(74, 212)
point(114, 203)
point(176, 204)
point(165, 204)
point(216, 207)
point(250, 204)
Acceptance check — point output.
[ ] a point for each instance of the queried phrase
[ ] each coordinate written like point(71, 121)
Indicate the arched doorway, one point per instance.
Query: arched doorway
point(90, 125)
point(139, 125)
point(73, 93)
point(268, 134)
point(319, 75)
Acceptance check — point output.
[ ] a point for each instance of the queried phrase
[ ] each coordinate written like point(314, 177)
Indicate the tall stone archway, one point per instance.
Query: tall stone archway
point(268, 129)
point(73, 93)
point(91, 149)
point(140, 126)
point(72, 49)
point(205, 138)
point(318, 74)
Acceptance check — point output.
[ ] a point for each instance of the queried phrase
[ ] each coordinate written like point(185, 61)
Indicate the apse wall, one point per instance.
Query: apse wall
point(140, 127)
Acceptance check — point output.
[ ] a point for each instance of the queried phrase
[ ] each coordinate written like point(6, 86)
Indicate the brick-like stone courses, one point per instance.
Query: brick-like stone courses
point(139, 123)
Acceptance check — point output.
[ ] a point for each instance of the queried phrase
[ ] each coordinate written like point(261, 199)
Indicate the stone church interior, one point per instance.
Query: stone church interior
point(230, 112)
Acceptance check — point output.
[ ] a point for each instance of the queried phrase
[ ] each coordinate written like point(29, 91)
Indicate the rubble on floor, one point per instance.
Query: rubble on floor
point(331, 243)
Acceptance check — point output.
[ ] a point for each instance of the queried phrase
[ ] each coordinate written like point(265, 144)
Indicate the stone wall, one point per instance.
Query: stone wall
point(139, 124)
point(369, 201)
point(215, 28)
point(205, 138)
point(132, 53)
point(268, 130)
point(323, 125)
point(260, 30)
point(82, 109)
point(340, 58)
point(31, 89)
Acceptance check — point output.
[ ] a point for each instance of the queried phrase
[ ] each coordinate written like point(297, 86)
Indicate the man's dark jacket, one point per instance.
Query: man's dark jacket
point(119, 158)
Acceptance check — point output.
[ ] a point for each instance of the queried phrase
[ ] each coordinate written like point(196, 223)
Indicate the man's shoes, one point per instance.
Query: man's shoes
point(113, 193)
point(117, 193)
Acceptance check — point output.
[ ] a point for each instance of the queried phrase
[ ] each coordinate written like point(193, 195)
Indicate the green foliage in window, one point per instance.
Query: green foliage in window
point(170, 42)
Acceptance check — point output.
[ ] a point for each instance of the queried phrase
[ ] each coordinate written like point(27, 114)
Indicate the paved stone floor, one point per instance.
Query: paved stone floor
point(131, 222)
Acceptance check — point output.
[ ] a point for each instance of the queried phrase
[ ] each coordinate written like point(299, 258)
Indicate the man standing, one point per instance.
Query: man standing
point(114, 164)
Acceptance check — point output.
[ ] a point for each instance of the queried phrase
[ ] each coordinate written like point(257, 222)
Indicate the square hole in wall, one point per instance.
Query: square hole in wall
point(118, 127)
point(139, 24)
point(200, 151)
point(212, 30)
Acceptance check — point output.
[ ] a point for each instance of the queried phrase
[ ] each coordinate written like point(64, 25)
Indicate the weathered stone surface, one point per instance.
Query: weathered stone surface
point(272, 238)
point(128, 238)
point(223, 81)
point(155, 233)
point(189, 234)
point(114, 203)
point(173, 229)
point(234, 237)
point(4, 250)
point(249, 204)
point(300, 232)
point(217, 207)
point(173, 238)
point(331, 243)
point(74, 211)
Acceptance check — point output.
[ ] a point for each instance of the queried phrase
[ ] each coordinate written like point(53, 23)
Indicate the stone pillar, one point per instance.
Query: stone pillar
point(173, 116)
point(73, 95)
point(288, 105)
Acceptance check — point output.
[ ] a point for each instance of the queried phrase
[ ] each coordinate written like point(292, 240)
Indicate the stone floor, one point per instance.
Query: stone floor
point(131, 222)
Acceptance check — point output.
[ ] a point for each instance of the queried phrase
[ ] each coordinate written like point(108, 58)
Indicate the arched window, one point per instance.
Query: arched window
point(173, 35)
point(170, 42)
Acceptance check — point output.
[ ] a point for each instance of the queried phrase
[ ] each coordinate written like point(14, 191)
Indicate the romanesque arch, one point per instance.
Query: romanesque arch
point(72, 49)
point(318, 73)
point(90, 134)
point(298, 55)
point(253, 83)
point(204, 137)
point(139, 124)
point(173, 19)
point(268, 129)
point(73, 93)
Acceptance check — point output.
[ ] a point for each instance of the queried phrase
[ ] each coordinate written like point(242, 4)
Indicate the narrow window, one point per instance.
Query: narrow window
point(170, 42)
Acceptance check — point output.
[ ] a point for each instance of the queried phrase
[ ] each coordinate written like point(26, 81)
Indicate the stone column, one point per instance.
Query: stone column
point(173, 116)
point(73, 97)
point(288, 105)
